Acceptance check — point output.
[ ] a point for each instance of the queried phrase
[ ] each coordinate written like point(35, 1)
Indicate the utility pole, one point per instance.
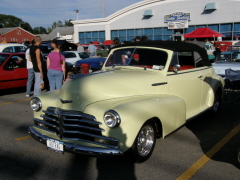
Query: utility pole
point(103, 9)
point(77, 12)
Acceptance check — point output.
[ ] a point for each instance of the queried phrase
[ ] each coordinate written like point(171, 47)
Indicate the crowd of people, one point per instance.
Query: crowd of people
point(56, 67)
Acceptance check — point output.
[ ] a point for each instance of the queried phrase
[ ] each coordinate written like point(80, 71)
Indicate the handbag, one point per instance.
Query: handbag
point(61, 61)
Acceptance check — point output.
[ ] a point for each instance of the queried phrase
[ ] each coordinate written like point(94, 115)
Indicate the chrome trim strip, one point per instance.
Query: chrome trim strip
point(179, 72)
point(49, 118)
point(65, 101)
point(73, 148)
point(158, 84)
point(85, 127)
point(83, 120)
point(49, 113)
point(91, 135)
point(46, 123)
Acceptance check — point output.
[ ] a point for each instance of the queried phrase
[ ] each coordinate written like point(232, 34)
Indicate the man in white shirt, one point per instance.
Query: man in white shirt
point(92, 50)
point(80, 48)
point(30, 72)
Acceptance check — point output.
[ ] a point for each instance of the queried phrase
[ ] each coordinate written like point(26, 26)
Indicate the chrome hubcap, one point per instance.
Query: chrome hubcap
point(145, 140)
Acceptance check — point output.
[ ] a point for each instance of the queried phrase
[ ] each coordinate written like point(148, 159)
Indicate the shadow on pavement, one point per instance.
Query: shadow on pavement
point(18, 167)
point(12, 91)
point(210, 130)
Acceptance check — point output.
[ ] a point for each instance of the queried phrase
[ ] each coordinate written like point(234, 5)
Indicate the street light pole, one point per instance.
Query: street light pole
point(76, 11)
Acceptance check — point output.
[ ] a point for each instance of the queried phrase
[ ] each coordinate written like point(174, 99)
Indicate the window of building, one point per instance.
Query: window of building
point(201, 26)
point(190, 29)
point(87, 37)
point(236, 31)
point(214, 27)
point(3, 39)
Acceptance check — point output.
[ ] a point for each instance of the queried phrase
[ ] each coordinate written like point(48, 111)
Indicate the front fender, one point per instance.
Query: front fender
point(50, 98)
point(135, 111)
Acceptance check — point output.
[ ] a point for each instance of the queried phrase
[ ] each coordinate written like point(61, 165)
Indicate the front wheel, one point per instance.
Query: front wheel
point(144, 143)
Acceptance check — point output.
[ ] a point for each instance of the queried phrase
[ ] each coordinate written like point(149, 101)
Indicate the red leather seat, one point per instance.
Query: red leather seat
point(85, 68)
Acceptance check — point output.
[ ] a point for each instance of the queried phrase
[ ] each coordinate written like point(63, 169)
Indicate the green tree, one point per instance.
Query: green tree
point(13, 21)
point(26, 26)
point(39, 30)
point(49, 30)
point(68, 22)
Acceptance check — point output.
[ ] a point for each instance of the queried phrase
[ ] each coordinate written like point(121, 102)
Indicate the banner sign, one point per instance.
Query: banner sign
point(178, 25)
point(177, 16)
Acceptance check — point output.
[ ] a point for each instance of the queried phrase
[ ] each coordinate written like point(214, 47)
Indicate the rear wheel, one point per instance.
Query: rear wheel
point(144, 143)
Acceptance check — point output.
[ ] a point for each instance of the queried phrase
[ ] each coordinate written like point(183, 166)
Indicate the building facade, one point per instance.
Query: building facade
point(163, 20)
point(15, 34)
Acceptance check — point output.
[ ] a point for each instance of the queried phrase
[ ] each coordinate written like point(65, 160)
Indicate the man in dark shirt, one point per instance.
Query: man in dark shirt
point(36, 58)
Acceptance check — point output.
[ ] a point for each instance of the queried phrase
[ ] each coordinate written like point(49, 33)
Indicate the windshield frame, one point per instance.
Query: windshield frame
point(163, 71)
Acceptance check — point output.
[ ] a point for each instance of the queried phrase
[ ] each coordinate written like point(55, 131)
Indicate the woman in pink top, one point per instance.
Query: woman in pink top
point(56, 67)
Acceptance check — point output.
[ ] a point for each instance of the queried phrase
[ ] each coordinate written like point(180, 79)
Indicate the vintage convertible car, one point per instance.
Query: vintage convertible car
point(145, 91)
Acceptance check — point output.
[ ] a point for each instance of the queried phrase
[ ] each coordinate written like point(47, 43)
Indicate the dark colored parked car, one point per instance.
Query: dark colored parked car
point(96, 64)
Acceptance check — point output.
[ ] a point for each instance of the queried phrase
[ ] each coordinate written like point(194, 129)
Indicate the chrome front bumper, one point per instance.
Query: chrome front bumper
point(73, 148)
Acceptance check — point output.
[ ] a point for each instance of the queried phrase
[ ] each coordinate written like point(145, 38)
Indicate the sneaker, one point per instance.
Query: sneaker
point(27, 95)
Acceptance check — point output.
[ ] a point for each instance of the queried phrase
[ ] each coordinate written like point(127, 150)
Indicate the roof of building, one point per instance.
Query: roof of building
point(174, 46)
point(63, 31)
point(9, 29)
point(6, 30)
point(141, 4)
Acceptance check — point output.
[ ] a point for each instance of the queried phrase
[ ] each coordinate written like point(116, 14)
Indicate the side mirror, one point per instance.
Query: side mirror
point(176, 68)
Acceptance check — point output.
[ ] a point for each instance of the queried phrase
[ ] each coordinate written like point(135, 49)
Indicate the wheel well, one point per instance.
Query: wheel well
point(158, 126)
point(219, 91)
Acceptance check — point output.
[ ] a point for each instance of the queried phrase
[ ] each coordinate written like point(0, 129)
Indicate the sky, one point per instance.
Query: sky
point(45, 12)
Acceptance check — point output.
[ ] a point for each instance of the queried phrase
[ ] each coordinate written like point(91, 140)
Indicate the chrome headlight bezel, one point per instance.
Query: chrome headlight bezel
point(116, 119)
point(37, 102)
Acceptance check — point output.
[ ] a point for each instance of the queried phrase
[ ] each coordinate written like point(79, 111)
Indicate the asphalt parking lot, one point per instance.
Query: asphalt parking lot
point(206, 148)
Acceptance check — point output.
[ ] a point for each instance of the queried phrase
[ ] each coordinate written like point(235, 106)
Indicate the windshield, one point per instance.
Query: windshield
point(69, 54)
point(3, 58)
point(140, 57)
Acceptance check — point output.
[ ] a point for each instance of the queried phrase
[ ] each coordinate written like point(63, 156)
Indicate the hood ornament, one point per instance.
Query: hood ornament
point(65, 101)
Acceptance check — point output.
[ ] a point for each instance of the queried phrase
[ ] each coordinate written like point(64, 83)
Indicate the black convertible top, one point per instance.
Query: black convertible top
point(172, 45)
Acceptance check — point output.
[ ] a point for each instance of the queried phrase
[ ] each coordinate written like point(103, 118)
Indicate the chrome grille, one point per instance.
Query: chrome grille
point(74, 125)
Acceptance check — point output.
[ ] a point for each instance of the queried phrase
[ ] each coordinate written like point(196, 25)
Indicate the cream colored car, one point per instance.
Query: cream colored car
point(144, 91)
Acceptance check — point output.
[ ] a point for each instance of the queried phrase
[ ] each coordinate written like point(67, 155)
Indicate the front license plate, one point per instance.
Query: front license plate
point(55, 145)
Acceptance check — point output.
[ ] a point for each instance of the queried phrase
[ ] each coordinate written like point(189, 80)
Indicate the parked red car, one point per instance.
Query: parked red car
point(13, 71)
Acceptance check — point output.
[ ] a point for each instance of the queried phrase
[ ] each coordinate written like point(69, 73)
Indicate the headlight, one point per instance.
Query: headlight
point(36, 104)
point(112, 119)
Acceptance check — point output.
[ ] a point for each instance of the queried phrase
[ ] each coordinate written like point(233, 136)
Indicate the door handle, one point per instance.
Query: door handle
point(200, 76)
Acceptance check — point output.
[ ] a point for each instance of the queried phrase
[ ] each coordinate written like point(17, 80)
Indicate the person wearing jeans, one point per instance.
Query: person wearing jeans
point(36, 57)
point(30, 73)
point(56, 67)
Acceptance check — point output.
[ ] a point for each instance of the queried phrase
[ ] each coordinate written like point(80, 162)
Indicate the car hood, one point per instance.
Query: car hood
point(105, 85)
